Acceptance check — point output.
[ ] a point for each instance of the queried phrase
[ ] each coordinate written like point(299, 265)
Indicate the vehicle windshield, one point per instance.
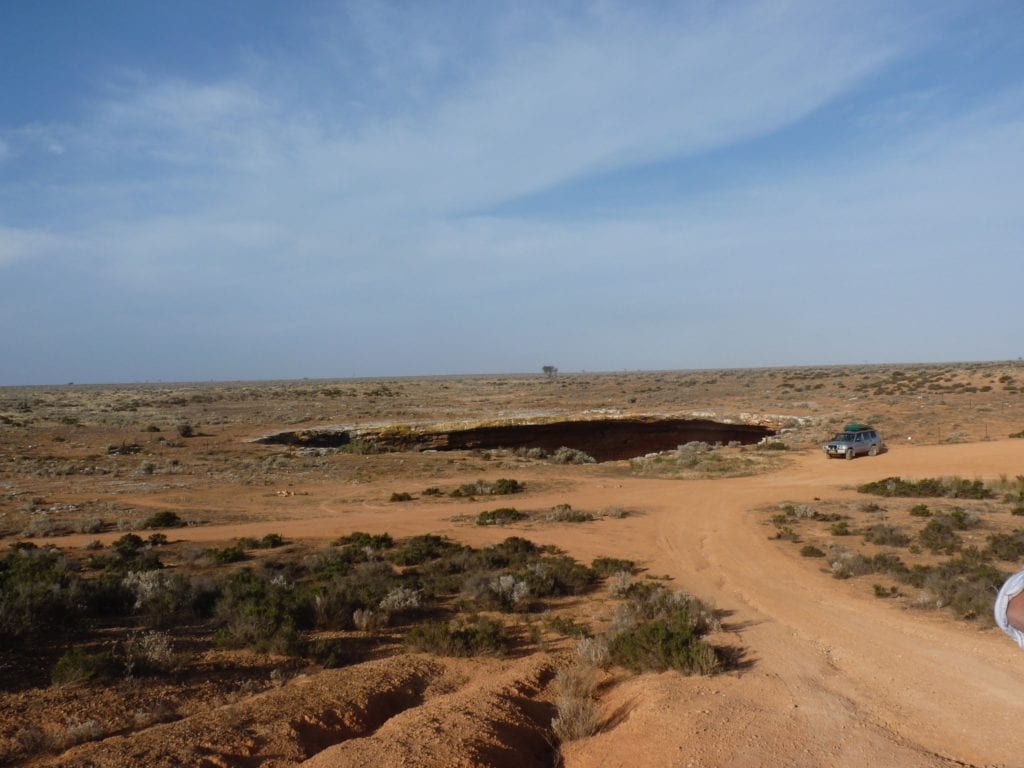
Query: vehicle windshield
point(842, 436)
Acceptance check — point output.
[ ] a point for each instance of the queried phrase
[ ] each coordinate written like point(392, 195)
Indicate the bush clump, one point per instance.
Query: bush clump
point(270, 541)
point(606, 566)
point(566, 455)
point(163, 519)
point(1006, 546)
point(420, 549)
point(939, 536)
point(964, 584)
point(500, 516)
point(578, 713)
point(475, 636)
point(929, 487)
point(39, 590)
point(886, 535)
point(225, 555)
point(505, 486)
point(842, 528)
point(78, 667)
point(501, 487)
point(564, 513)
point(362, 540)
point(261, 613)
point(671, 642)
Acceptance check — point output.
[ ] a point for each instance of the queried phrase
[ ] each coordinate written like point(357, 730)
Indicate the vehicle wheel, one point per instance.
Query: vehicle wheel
point(873, 451)
point(849, 453)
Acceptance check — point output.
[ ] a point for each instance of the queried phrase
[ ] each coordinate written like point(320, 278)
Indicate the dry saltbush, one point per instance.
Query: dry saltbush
point(368, 620)
point(400, 599)
point(620, 583)
point(149, 652)
point(78, 733)
point(575, 682)
point(578, 715)
point(32, 739)
point(593, 652)
point(158, 712)
point(626, 618)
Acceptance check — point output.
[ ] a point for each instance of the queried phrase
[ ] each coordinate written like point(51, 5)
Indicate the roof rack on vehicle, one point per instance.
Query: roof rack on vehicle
point(855, 427)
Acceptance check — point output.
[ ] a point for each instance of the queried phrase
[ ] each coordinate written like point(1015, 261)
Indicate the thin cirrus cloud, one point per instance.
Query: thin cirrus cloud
point(373, 169)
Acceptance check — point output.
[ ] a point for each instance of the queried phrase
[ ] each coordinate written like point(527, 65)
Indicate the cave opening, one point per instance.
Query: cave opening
point(605, 440)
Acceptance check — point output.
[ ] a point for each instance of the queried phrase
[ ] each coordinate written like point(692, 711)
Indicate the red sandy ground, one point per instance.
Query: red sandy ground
point(835, 677)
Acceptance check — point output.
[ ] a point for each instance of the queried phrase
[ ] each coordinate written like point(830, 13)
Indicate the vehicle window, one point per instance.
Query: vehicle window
point(857, 439)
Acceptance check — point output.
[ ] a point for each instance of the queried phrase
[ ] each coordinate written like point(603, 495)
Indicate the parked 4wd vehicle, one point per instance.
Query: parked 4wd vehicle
point(854, 440)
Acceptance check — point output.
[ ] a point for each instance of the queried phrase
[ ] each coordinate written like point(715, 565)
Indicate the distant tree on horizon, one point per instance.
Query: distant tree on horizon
point(550, 371)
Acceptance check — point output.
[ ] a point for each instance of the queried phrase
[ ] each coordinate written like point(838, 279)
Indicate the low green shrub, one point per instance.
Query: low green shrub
point(420, 549)
point(568, 627)
point(939, 536)
point(163, 519)
point(78, 667)
point(261, 613)
point(886, 535)
point(951, 487)
point(400, 496)
point(500, 516)
point(501, 487)
point(40, 591)
point(362, 540)
point(1007, 546)
point(270, 541)
point(606, 566)
point(809, 550)
point(474, 636)
point(841, 528)
point(665, 643)
point(505, 486)
point(226, 555)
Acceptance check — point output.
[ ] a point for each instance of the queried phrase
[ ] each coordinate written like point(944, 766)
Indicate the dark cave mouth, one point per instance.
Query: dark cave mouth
point(604, 439)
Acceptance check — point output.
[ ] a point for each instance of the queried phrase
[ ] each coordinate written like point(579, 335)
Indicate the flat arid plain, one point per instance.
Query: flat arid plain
point(422, 572)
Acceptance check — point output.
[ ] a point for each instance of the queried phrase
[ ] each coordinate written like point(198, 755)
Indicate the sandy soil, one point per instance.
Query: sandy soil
point(831, 675)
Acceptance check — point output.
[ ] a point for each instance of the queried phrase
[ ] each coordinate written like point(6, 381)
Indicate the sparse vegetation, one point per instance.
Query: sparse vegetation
point(500, 487)
point(163, 519)
point(500, 516)
point(930, 487)
point(564, 513)
point(475, 636)
point(150, 614)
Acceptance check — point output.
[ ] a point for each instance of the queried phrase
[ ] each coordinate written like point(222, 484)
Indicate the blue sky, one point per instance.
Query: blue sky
point(213, 190)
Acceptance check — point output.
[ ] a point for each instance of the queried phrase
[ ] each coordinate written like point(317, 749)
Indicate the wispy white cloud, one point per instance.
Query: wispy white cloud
point(18, 245)
point(243, 192)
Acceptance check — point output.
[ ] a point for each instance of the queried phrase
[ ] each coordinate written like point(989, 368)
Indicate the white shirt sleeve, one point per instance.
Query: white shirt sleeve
point(1011, 588)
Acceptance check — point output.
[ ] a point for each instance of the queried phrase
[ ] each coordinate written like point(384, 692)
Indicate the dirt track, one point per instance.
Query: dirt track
point(833, 677)
point(837, 677)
